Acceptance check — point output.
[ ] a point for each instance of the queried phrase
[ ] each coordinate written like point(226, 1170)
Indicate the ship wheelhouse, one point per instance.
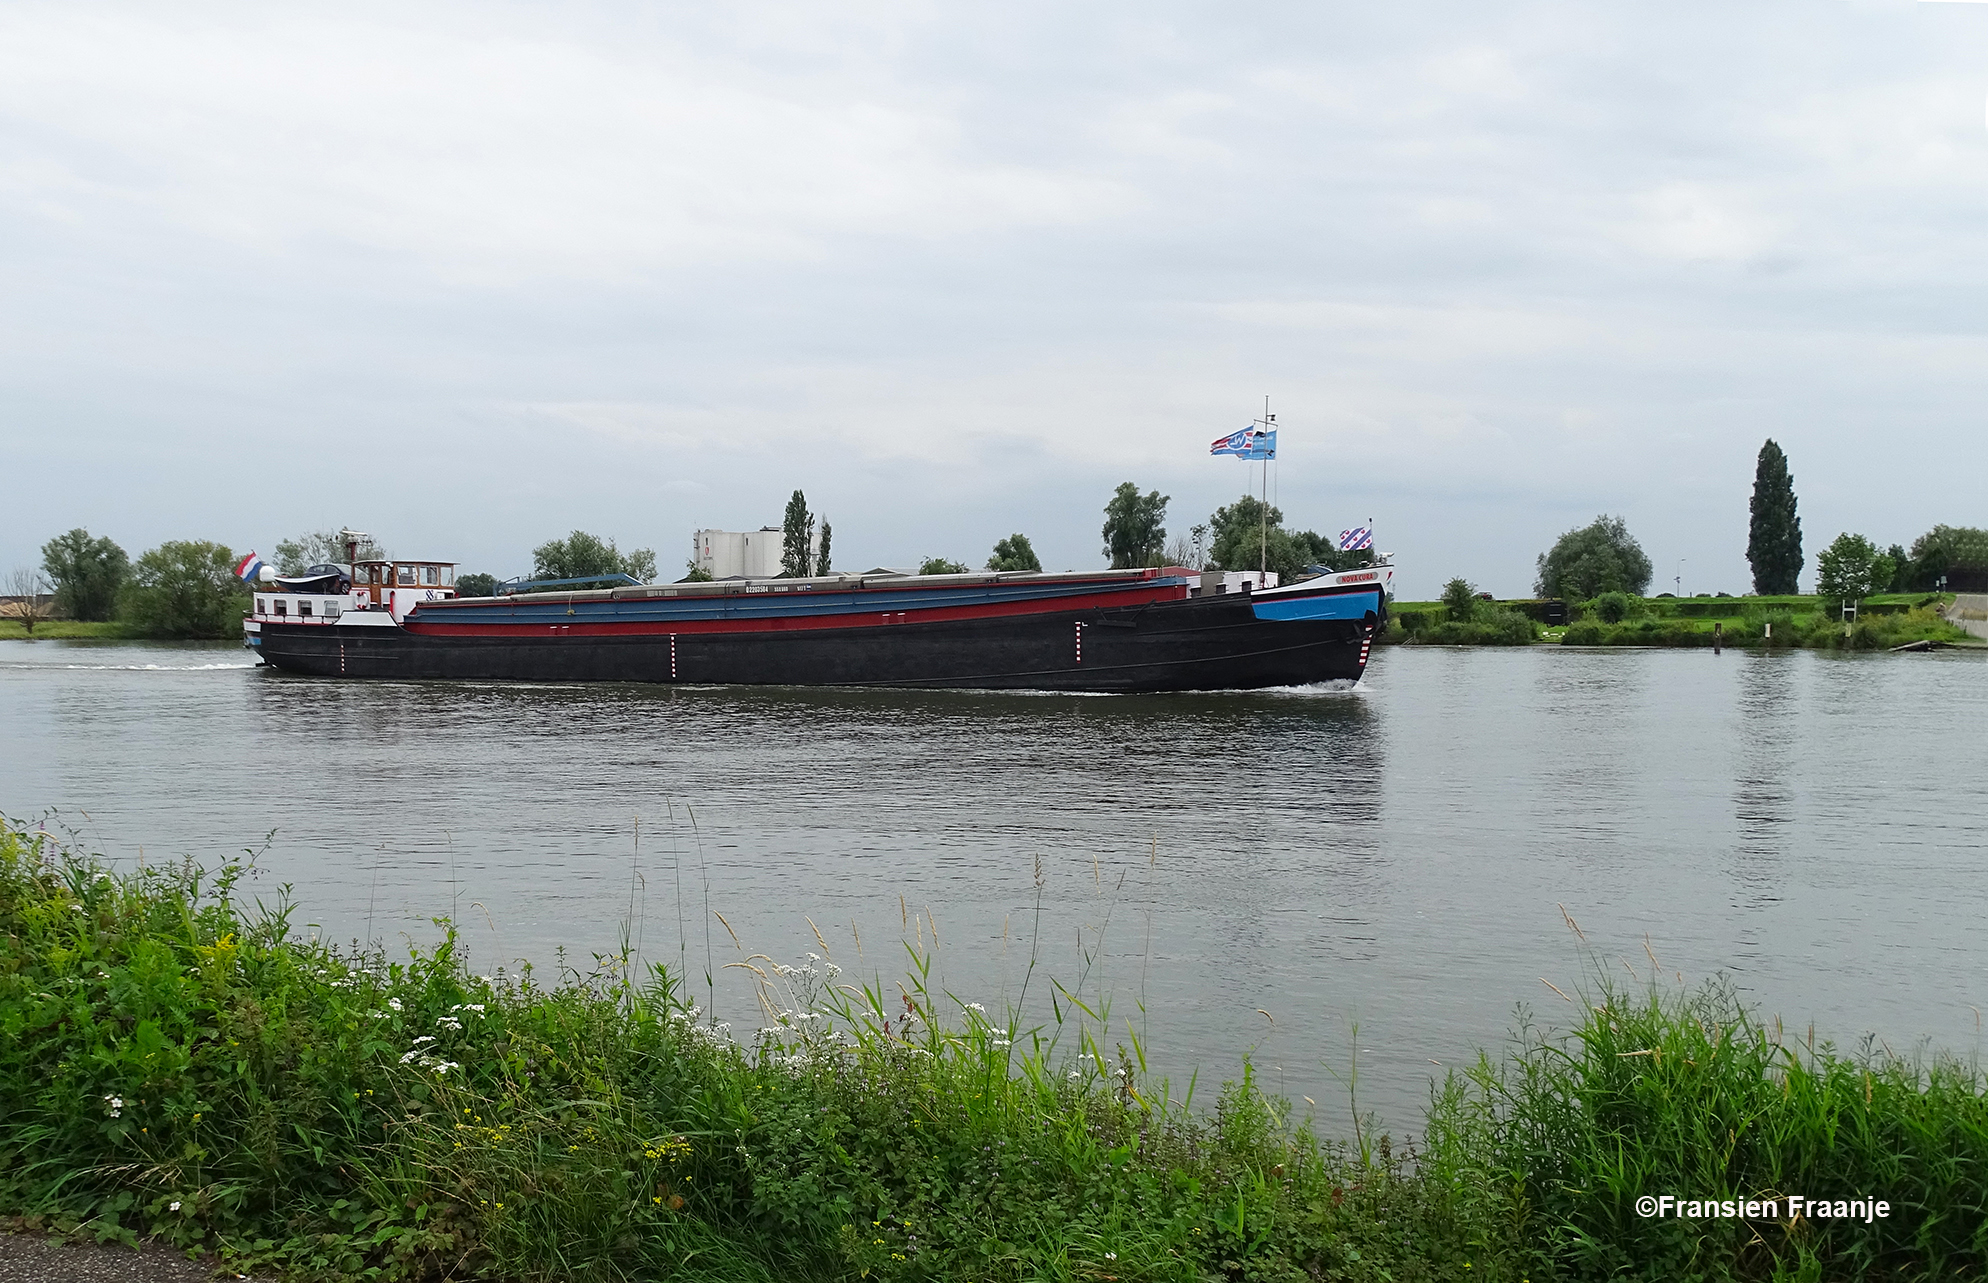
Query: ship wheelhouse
point(332, 591)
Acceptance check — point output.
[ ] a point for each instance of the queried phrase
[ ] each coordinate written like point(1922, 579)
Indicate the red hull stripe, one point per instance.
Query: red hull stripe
point(581, 627)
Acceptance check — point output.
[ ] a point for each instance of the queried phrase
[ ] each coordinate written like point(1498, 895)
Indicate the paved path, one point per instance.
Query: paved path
point(1970, 611)
point(34, 1258)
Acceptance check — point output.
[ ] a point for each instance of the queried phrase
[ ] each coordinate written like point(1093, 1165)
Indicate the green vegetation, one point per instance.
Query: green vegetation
point(1958, 554)
point(1851, 569)
point(185, 588)
point(584, 556)
point(88, 574)
point(1600, 557)
point(1014, 553)
point(1774, 530)
point(1240, 542)
point(1133, 531)
point(941, 566)
point(50, 629)
point(797, 540)
point(477, 585)
point(821, 549)
point(1618, 619)
point(1462, 619)
point(178, 1064)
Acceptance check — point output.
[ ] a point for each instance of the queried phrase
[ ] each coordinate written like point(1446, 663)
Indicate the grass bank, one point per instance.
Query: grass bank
point(1753, 622)
point(178, 1064)
point(48, 629)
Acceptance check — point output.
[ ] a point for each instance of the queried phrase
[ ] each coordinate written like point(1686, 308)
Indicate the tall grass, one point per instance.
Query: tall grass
point(176, 1062)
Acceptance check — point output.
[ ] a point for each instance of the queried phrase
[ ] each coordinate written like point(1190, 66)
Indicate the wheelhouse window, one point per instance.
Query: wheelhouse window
point(406, 576)
point(448, 576)
point(431, 576)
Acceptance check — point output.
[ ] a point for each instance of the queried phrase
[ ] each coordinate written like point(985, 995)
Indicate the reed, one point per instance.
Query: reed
point(178, 1063)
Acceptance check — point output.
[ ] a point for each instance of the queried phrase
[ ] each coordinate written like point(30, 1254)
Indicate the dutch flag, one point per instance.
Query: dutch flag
point(249, 568)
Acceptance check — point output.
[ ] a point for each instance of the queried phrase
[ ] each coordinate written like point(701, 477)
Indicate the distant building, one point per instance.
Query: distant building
point(737, 554)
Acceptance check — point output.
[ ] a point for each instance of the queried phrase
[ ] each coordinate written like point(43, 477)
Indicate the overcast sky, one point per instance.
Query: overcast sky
point(471, 276)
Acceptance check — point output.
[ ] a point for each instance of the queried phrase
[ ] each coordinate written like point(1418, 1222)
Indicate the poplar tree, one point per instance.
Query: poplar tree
point(797, 538)
point(821, 553)
point(1774, 535)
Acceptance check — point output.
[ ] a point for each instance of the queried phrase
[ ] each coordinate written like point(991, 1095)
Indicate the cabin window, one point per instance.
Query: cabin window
point(430, 576)
point(304, 609)
point(375, 572)
point(406, 579)
point(282, 607)
point(448, 576)
point(331, 609)
point(262, 605)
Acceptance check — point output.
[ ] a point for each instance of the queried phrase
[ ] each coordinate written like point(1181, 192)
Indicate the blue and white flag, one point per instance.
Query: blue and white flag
point(1236, 443)
point(1251, 443)
point(1355, 539)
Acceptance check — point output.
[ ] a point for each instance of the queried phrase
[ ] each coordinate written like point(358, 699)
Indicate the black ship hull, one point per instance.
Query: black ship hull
point(1202, 643)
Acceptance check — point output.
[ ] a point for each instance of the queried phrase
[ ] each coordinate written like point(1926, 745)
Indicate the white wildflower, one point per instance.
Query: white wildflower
point(446, 1066)
point(424, 1038)
point(394, 1003)
point(115, 1105)
point(377, 1015)
point(974, 1006)
point(410, 1056)
point(173, 1206)
point(1001, 1042)
point(448, 1022)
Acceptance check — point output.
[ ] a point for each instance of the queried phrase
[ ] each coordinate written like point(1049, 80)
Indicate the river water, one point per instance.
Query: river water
point(1272, 870)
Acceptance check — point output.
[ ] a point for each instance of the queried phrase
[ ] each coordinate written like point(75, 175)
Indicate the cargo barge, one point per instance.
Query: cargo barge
point(1160, 629)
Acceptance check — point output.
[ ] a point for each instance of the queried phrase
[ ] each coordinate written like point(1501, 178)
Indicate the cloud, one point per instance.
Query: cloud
point(958, 271)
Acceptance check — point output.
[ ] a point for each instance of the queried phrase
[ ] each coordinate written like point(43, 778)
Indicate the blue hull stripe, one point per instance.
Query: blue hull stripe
point(1336, 606)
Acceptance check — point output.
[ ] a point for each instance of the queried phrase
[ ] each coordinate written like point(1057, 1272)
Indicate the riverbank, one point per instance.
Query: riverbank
point(182, 1066)
point(1811, 623)
point(60, 629)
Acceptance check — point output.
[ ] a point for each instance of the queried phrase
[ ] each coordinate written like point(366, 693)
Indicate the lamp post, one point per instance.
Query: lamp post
point(1679, 581)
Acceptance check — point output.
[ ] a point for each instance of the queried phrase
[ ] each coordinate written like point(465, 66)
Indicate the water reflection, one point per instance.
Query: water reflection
point(1764, 773)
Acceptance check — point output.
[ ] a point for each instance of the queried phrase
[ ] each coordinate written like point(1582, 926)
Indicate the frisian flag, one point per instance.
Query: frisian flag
point(249, 568)
point(1356, 538)
point(1250, 443)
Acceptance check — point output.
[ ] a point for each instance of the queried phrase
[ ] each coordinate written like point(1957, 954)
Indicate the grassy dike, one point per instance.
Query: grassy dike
point(177, 1063)
point(1777, 623)
point(53, 629)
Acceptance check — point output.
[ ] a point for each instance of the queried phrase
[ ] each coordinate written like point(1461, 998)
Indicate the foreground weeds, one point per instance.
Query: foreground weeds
point(175, 1063)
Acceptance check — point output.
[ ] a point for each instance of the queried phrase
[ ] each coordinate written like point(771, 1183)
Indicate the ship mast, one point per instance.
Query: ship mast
point(1267, 423)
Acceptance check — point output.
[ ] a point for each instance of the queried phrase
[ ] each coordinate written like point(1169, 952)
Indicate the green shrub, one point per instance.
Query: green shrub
point(1612, 607)
point(1586, 632)
point(1491, 626)
point(185, 588)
